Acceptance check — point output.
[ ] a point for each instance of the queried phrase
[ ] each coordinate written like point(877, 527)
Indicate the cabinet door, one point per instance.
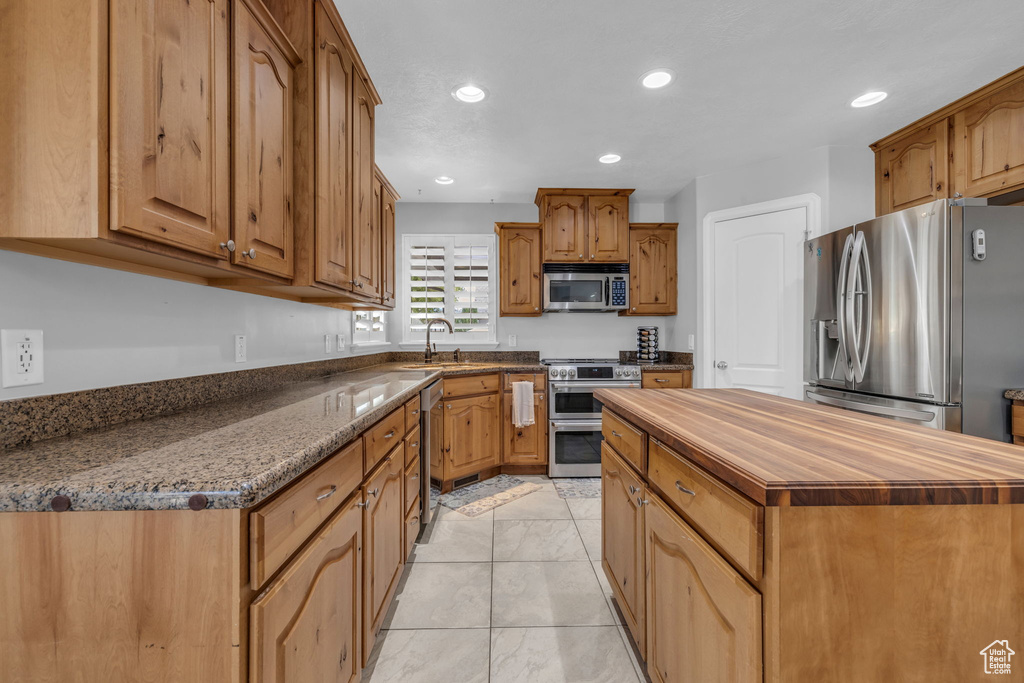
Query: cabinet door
point(334, 77)
point(989, 154)
point(305, 626)
point(703, 618)
point(365, 226)
point(526, 445)
point(169, 146)
point(387, 262)
point(383, 541)
point(471, 433)
point(563, 220)
point(519, 254)
point(652, 271)
point(608, 229)
point(622, 538)
point(263, 142)
point(914, 170)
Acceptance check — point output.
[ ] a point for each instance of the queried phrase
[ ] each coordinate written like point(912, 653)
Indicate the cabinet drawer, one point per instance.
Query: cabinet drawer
point(1018, 419)
point(412, 483)
point(627, 440)
point(468, 386)
point(662, 380)
point(412, 526)
point(382, 437)
point(538, 379)
point(278, 527)
point(412, 445)
point(412, 414)
point(728, 521)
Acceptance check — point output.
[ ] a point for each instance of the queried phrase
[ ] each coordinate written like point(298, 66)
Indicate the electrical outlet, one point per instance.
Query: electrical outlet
point(691, 342)
point(22, 357)
point(327, 343)
point(341, 343)
point(239, 348)
point(513, 340)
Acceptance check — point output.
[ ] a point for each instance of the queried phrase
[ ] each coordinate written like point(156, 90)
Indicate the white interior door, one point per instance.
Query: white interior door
point(758, 302)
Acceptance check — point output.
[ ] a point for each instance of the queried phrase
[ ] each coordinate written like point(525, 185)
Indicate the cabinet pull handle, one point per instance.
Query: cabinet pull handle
point(229, 245)
point(679, 485)
point(449, 406)
point(414, 520)
point(633, 490)
point(415, 476)
point(374, 492)
point(415, 445)
point(615, 433)
point(325, 496)
point(640, 501)
point(389, 434)
point(416, 412)
point(662, 381)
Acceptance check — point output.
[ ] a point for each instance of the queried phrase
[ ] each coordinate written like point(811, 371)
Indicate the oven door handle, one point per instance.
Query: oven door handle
point(587, 387)
point(576, 425)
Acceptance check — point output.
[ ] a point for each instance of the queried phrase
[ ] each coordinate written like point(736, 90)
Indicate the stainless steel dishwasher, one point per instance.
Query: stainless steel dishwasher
point(431, 435)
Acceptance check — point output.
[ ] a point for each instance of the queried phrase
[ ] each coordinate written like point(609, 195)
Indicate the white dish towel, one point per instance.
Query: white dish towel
point(522, 404)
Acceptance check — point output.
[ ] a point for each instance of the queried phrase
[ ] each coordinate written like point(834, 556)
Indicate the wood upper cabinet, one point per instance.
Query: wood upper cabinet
point(622, 539)
point(386, 225)
point(306, 625)
point(519, 255)
point(335, 74)
point(264, 61)
point(525, 445)
point(652, 269)
point(383, 541)
point(913, 170)
point(365, 196)
point(989, 144)
point(608, 229)
point(169, 133)
point(472, 428)
point(703, 618)
point(563, 218)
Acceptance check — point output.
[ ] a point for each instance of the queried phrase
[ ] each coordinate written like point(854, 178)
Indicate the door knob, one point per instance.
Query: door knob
point(721, 365)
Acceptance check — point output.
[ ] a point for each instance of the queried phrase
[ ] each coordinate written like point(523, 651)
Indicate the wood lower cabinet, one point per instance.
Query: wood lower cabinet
point(472, 427)
point(169, 96)
point(652, 269)
point(525, 445)
point(264, 61)
point(622, 539)
point(608, 229)
point(383, 542)
point(306, 626)
point(703, 618)
point(520, 250)
point(666, 379)
point(1017, 422)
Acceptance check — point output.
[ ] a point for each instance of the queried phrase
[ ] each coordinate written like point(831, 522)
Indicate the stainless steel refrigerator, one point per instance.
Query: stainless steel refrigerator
point(919, 316)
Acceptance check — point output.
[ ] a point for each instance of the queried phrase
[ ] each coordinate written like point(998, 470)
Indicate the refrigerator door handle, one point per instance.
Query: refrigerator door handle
point(858, 312)
point(856, 406)
point(841, 287)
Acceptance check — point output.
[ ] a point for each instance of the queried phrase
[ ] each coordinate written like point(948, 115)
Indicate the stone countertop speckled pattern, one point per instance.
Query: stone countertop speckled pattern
point(1014, 394)
point(664, 367)
point(236, 452)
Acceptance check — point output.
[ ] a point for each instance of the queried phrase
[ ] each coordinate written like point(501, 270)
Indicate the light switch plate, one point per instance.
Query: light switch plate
point(690, 342)
point(513, 340)
point(21, 357)
point(240, 348)
point(327, 343)
point(341, 343)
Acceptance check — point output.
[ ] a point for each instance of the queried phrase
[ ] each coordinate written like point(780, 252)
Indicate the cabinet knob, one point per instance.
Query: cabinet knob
point(634, 308)
point(581, 255)
point(229, 245)
point(641, 502)
point(536, 308)
point(364, 504)
point(374, 492)
point(251, 253)
point(633, 490)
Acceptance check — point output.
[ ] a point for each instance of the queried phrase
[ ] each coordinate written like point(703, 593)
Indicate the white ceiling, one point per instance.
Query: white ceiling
point(755, 79)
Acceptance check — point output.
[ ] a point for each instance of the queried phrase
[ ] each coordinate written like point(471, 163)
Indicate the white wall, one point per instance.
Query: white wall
point(594, 335)
point(105, 327)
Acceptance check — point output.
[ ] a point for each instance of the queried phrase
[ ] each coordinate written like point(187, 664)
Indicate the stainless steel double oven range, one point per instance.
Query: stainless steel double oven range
point(574, 427)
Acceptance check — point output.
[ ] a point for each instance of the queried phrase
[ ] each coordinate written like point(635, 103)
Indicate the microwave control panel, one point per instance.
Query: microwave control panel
point(618, 292)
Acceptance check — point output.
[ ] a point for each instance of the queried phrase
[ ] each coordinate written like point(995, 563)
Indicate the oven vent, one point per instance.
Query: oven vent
point(472, 479)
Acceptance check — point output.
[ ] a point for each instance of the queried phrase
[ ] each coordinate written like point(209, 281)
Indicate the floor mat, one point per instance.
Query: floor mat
point(578, 487)
point(482, 496)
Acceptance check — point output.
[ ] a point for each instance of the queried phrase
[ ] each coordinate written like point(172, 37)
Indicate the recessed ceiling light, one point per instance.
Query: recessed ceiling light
point(468, 93)
point(657, 78)
point(869, 98)
point(609, 158)
point(444, 180)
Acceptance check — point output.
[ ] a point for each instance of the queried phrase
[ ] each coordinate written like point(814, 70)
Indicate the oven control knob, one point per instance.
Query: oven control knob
point(572, 373)
point(554, 373)
point(635, 372)
point(618, 372)
point(562, 372)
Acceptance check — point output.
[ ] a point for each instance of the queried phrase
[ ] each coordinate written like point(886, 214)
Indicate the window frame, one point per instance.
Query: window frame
point(450, 241)
point(371, 341)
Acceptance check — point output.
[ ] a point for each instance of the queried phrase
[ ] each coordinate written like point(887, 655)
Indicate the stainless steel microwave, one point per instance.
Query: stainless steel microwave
point(586, 286)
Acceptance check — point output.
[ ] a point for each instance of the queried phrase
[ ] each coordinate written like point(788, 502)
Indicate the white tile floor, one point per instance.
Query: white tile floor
point(514, 595)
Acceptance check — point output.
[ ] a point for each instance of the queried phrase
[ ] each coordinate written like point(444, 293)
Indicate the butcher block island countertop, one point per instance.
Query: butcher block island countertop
point(756, 539)
point(782, 452)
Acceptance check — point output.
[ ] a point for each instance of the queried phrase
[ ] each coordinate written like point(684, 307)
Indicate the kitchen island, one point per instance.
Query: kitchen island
point(749, 537)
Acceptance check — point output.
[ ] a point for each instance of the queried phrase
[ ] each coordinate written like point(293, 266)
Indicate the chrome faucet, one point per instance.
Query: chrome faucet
point(428, 354)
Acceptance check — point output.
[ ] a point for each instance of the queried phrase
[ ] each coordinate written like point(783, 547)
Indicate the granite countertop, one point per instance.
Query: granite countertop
point(665, 367)
point(1014, 394)
point(236, 451)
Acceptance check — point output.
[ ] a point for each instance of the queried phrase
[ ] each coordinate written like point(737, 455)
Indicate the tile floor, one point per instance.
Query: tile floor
point(514, 595)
